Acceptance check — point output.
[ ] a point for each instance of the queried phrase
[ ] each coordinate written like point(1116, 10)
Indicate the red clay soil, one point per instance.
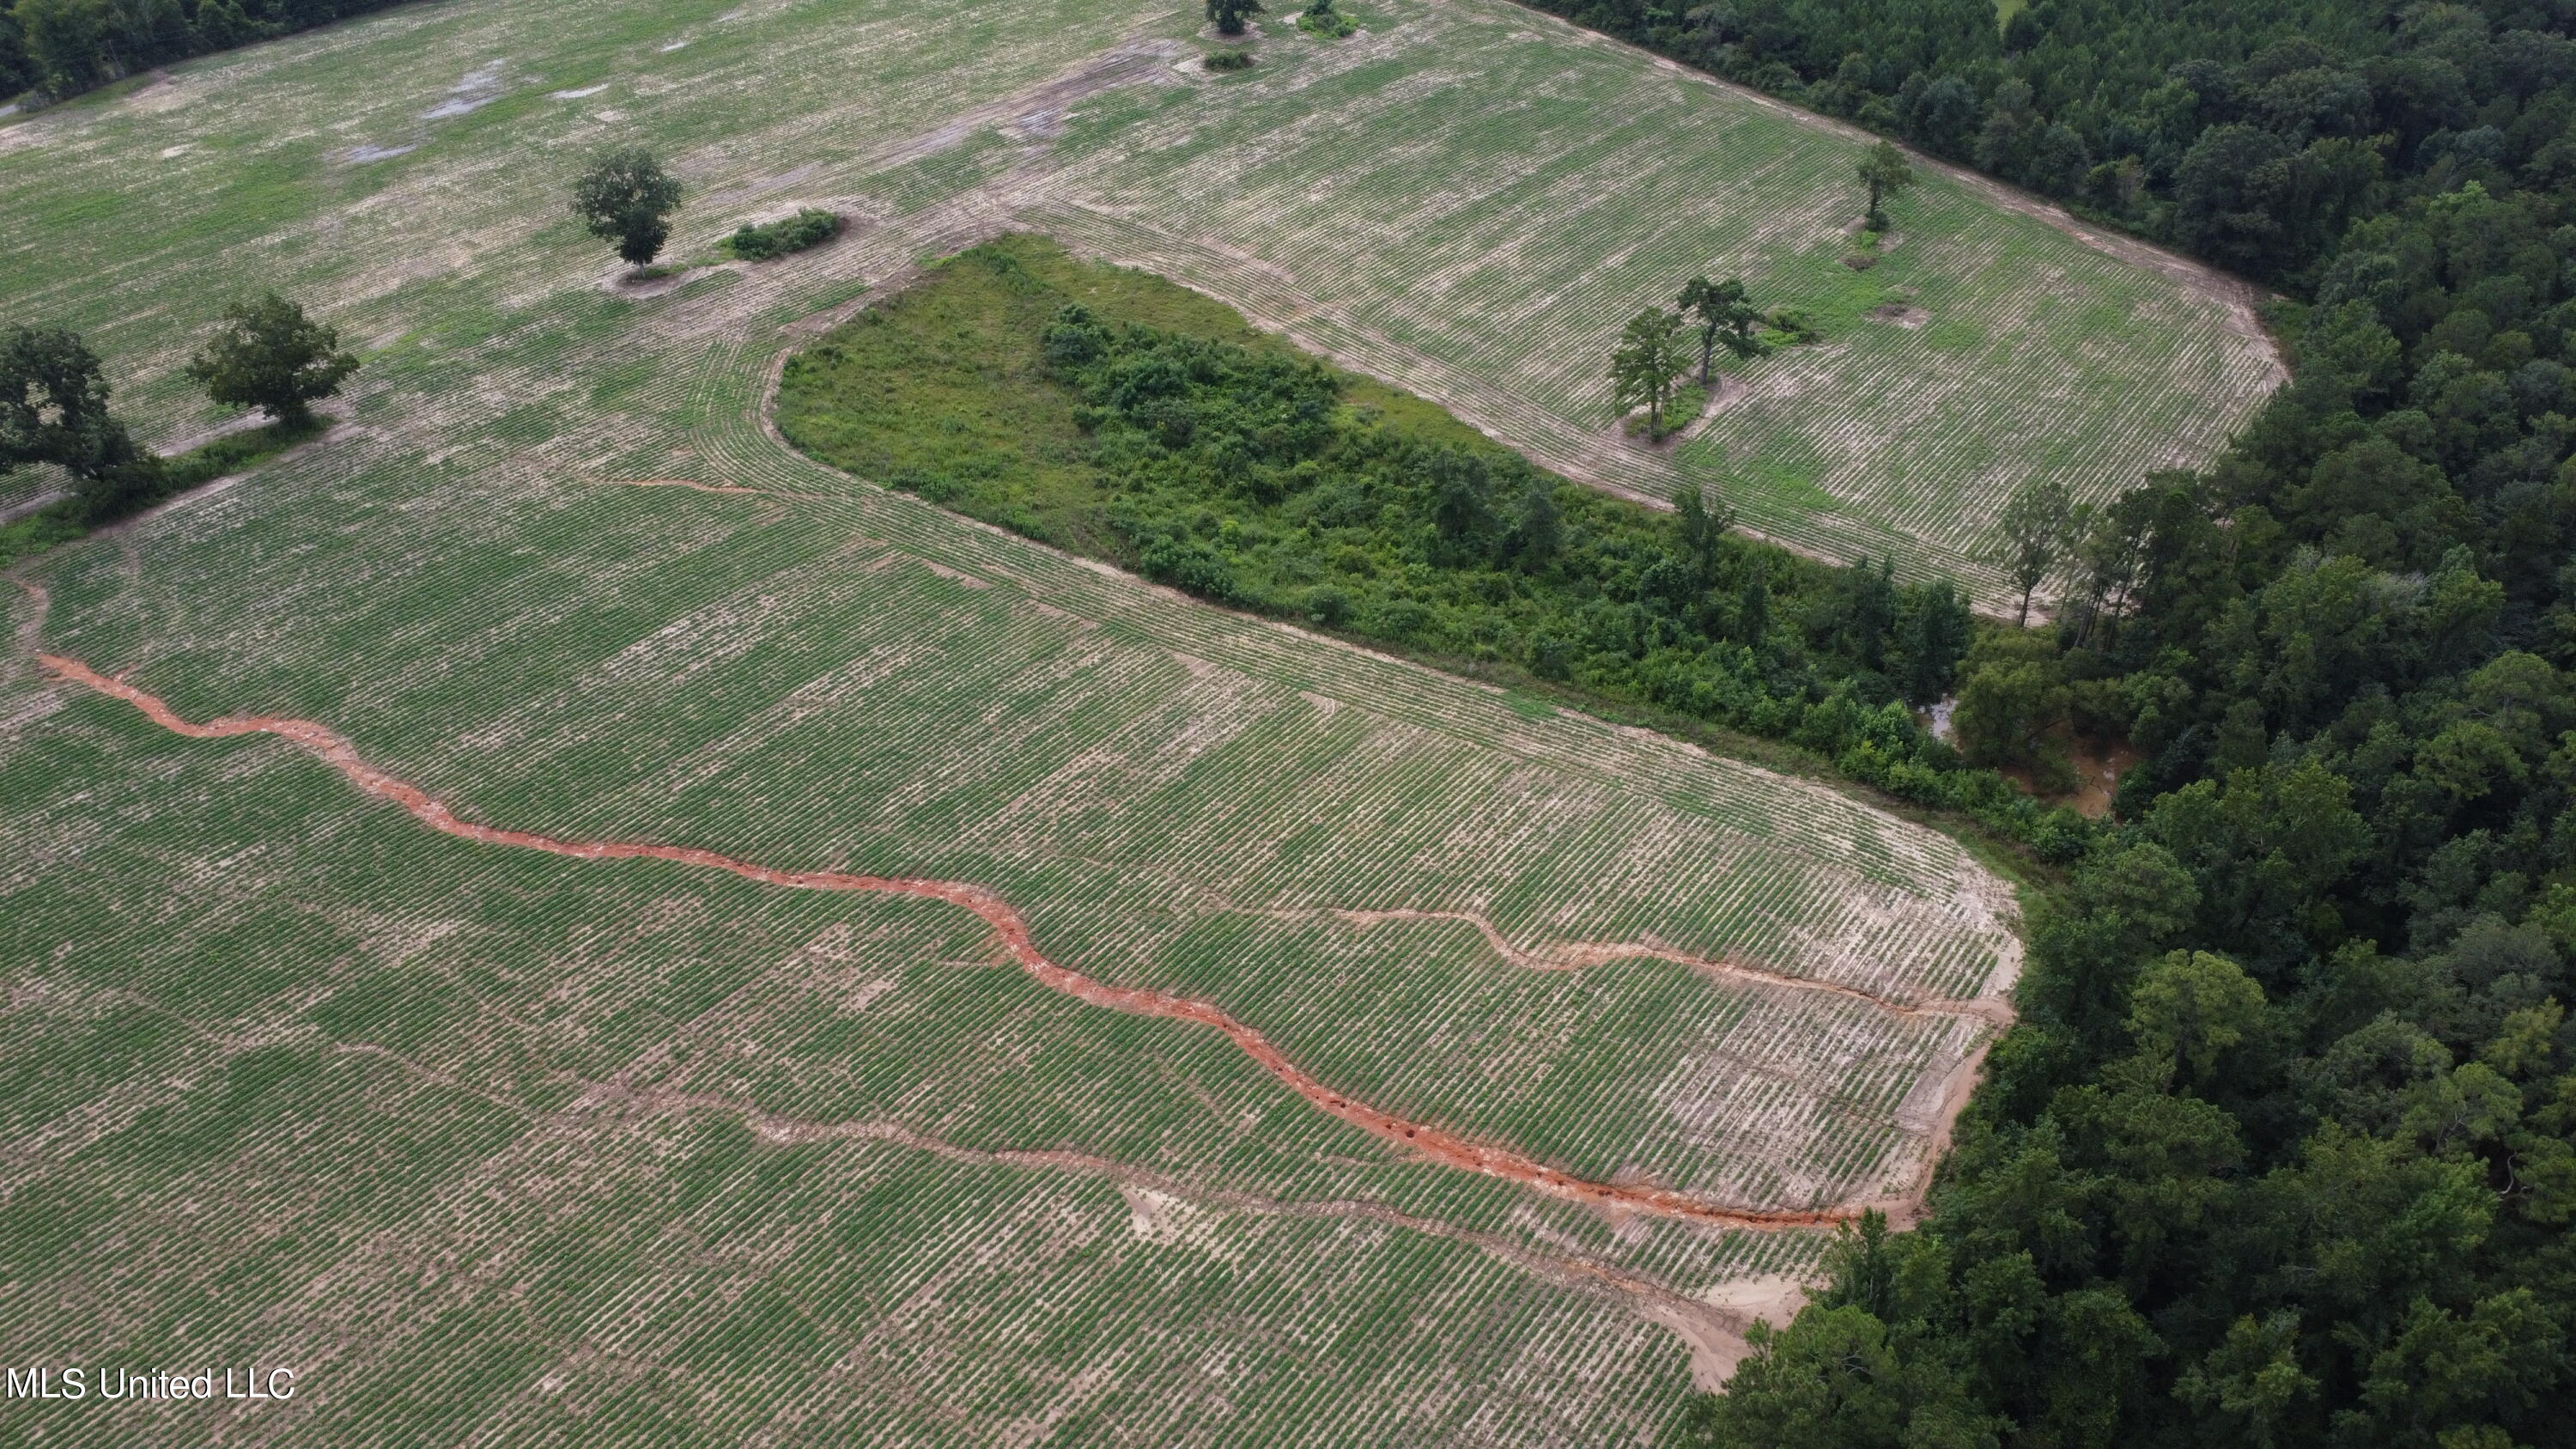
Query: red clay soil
point(1440, 1146)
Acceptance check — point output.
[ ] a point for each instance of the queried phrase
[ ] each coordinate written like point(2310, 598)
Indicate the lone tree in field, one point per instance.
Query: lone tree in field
point(270, 355)
point(2035, 537)
point(1724, 315)
point(1885, 172)
point(53, 407)
point(1229, 15)
point(627, 198)
point(1650, 358)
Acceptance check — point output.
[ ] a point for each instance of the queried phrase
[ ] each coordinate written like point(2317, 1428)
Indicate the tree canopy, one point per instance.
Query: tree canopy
point(268, 354)
point(2282, 1150)
point(1885, 171)
point(53, 406)
point(1649, 359)
point(1230, 15)
point(1725, 314)
point(2035, 536)
point(64, 47)
point(626, 199)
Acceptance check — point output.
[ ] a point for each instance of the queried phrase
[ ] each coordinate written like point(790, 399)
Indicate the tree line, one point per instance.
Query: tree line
point(60, 48)
point(2283, 1150)
point(2252, 133)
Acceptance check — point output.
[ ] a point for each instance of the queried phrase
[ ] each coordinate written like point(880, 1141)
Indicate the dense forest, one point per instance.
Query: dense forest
point(2284, 1149)
point(60, 48)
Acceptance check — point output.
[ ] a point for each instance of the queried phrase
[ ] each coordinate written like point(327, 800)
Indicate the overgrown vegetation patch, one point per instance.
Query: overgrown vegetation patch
point(1328, 20)
point(809, 227)
point(1120, 415)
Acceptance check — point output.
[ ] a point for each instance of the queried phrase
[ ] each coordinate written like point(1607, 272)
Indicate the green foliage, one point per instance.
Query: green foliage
point(65, 43)
point(626, 199)
point(1124, 417)
point(53, 409)
point(2190, 1007)
point(1230, 58)
point(809, 227)
point(64, 47)
point(2035, 536)
point(1650, 358)
point(1725, 314)
point(1886, 172)
point(2012, 694)
point(2254, 134)
point(1832, 1380)
point(1229, 15)
point(141, 482)
point(268, 354)
point(1323, 18)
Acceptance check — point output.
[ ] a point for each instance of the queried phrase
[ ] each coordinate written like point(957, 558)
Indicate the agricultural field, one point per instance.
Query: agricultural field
point(1466, 199)
point(296, 1076)
point(501, 1132)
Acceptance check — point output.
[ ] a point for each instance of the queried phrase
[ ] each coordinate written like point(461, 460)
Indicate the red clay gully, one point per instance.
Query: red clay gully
point(1440, 1146)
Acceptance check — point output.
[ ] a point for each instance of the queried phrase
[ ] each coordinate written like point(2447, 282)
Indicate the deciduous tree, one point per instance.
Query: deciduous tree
point(1885, 171)
point(1649, 359)
point(1724, 314)
point(268, 354)
point(1700, 527)
point(626, 199)
point(2035, 537)
point(66, 43)
point(53, 406)
point(1229, 15)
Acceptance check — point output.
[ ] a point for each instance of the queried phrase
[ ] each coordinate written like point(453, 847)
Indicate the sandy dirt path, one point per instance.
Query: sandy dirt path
point(1436, 1144)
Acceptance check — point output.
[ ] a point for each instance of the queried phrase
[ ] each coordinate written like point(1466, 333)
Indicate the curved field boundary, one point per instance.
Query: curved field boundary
point(1446, 1148)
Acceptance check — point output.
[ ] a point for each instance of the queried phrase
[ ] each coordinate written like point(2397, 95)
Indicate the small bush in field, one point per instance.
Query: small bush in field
point(1231, 59)
point(1320, 18)
point(807, 228)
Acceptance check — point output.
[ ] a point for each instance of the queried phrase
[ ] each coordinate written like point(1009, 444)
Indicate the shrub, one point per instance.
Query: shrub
point(1327, 605)
point(807, 228)
point(1794, 324)
point(1320, 18)
point(1235, 58)
point(1188, 565)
